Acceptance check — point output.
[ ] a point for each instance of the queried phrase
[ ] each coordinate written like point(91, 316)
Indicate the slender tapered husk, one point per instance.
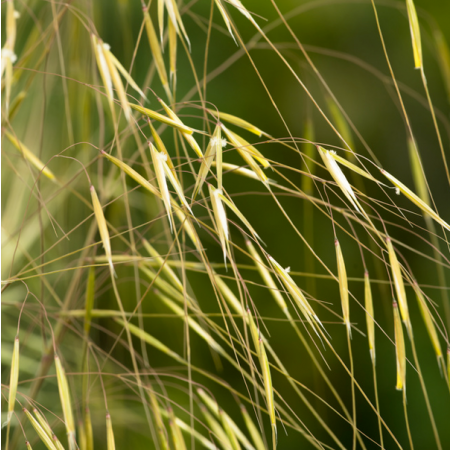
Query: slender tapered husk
point(400, 353)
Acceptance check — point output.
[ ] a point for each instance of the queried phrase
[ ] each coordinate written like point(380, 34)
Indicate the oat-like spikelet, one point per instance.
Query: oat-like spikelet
point(43, 423)
point(243, 171)
point(214, 149)
point(429, 322)
point(13, 381)
point(28, 445)
point(415, 33)
point(172, 53)
point(241, 123)
point(400, 352)
point(253, 430)
point(161, 118)
point(159, 144)
point(339, 177)
point(418, 175)
point(160, 428)
point(297, 296)
point(229, 430)
point(8, 55)
point(110, 441)
point(267, 277)
point(353, 167)
point(220, 218)
point(177, 435)
point(214, 407)
point(158, 167)
point(216, 428)
point(30, 156)
point(254, 332)
point(102, 66)
point(265, 368)
point(156, 52)
point(399, 286)
point(188, 136)
point(368, 304)
point(343, 286)
point(225, 17)
point(81, 436)
point(102, 227)
point(174, 17)
point(243, 146)
point(132, 173)
point(165, 266)
point(234, 208)
point(88, 430)
point(44, 437)
point(64, 396)
point(415, 199)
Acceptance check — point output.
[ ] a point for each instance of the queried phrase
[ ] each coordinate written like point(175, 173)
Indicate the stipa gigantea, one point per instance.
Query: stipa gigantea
point(241, 123)
point(353, 167)
point(30, 156)
point(177, 435)
point(343, 286)
point(400, 353)
point(102, 66)
point(214, 407)
point(415, 199)
point(110, 441)
point(229, 430)
point(43, 423)
point(399, 286)
point(64, 396)
point(253, 430)
point(171, 275)
point(172, 54)
point(265, 368)
point(102, 228)
point(88, 429)
point(220, 218)
point(132, 173)
point(243, 146)
point(156, 52)
point(43, 436)
point(297, 296)
point(418, 175)
point(163, 119)
point(429, 323)
point(8, 55)
point(368, 304)
point(267, 277)
point(162, 171)
point(339, 177)
point(81, 436)
point(158, 167)
point(248, 173)
point(174, 16)
point(234, 208)
point(225, 17)
point(28, 446)
point(341, 124)
point(415, 34)
point(213, 150)
point(159, 144)
point(13, 382)
point(188, 136)
point(216, 429)
point(160, 429)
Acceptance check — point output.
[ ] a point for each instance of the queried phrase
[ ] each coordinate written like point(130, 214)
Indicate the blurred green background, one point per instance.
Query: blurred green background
point(342, 40)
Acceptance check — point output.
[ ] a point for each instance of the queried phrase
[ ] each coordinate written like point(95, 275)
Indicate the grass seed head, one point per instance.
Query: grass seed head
point(160, 428)
point(13, 379)
point(399, 285)
point(343, 286)
point(220, 218)
point(88, 429)
point(415, 33)
point(110, 441)
point(102, 227)
point(43, 436)
point(30, 156)
point(241, 123)
point(253, 430)
point(368, 304)
point(400, 353)
point(43, 423)
point(415, 199)
point(64, 396)
point(89, 302)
